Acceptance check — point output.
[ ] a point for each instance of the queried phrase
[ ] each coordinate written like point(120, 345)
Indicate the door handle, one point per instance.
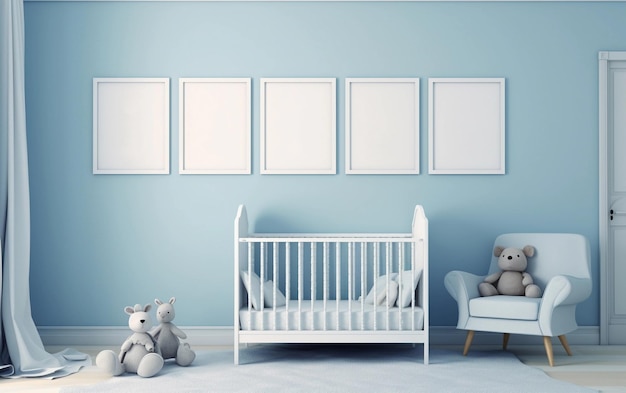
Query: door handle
point(617, 213)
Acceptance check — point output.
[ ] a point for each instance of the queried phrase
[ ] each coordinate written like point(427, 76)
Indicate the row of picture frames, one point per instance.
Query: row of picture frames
point(298, 126)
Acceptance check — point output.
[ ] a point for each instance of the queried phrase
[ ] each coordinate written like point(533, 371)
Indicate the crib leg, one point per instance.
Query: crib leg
point(236, 345)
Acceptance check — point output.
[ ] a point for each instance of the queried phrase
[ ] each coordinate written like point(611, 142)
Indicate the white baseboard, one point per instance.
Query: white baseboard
point(115, 335)
point(223, 336)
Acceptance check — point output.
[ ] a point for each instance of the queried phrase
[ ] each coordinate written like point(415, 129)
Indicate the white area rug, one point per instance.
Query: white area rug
point(341, 368)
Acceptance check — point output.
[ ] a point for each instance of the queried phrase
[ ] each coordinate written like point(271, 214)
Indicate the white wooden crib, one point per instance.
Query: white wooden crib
point(331, 288)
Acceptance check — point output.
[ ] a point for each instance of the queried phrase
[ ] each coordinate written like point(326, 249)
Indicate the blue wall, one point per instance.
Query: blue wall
point(103, 242)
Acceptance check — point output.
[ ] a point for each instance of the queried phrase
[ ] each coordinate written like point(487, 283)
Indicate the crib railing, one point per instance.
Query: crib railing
point(326, 269)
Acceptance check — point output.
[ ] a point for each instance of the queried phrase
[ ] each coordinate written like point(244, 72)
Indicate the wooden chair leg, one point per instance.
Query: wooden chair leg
point(505, 340)
point(548, 344)
point(565, 344)
point(468, 341)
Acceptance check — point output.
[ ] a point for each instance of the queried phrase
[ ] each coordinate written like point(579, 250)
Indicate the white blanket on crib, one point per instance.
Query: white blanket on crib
point(335, 315)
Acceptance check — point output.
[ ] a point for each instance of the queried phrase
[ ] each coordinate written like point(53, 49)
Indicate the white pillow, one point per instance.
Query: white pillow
point(383, 293)
point(255, 291)
point(407, 288)
point(253, 288)
point(268, 295)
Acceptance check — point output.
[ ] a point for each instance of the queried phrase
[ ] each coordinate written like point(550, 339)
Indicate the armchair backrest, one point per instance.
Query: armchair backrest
point(555, 254)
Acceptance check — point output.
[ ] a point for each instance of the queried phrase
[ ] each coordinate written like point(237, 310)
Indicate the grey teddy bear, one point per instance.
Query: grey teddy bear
point(512, 279)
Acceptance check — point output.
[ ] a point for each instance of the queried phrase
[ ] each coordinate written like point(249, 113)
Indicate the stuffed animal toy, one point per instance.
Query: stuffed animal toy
point(167, 335)
point(512, 279)
point(139, 353)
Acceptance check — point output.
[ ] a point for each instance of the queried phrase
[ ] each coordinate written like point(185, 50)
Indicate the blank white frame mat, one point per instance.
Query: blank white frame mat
point(298, 126)
point(466, 125)
point(382, 125)
point(131, 126)
point(215, 126)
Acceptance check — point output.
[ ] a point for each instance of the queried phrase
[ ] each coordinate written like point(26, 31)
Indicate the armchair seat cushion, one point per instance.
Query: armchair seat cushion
point(505, 307)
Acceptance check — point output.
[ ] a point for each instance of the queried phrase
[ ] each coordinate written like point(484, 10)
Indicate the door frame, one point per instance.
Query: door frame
point(604, 59)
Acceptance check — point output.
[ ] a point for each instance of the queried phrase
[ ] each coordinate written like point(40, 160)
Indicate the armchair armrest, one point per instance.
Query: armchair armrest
point(565, 290)
point(558, 305)
point(462, 286)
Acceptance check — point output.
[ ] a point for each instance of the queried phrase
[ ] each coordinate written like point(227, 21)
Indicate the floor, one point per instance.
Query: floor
point(598, 367)
point(601, 367)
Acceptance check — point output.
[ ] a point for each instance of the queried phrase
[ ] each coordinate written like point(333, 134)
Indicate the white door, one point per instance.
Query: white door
point(612, 107)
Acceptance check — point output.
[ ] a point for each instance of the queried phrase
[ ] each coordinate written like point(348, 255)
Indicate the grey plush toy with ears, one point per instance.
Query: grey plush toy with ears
point(139, 353)
point(512, 279)
point(168, 335)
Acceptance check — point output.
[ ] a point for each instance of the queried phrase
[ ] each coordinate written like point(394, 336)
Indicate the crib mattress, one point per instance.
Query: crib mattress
point(342, 315)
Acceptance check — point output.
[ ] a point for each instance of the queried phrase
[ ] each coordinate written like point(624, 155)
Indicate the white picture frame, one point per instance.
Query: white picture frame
point(382, 126)
point(298, 126)
point(214, 126)
point(131, 126)
point(466, 125)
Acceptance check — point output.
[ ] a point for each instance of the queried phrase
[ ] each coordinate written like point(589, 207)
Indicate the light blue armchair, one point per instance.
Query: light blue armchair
point(561, 268)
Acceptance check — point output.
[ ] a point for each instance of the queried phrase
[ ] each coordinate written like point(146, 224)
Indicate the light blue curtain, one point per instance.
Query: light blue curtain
point(22, 352)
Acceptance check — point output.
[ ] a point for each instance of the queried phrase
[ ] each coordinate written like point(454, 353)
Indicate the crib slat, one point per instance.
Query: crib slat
point(312, 263)
point(376, 275)
point(250, 256)
point(325, 281)
point(300, 284)
point(262, 255)
point(400, 252)
point(313, 281)
point(388, 264)
point(363, 294)
point(413, 298)
point(337, 281)
point(287, 282)
point(275, 254)
point(350, 282)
